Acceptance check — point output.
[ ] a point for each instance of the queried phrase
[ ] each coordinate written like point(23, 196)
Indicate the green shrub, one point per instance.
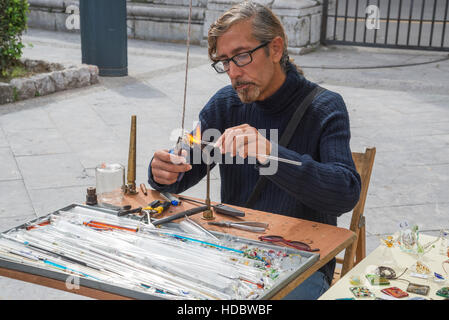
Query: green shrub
point(13, 21)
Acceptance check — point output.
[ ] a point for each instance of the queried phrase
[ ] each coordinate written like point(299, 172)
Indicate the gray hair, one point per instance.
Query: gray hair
point(265, 27)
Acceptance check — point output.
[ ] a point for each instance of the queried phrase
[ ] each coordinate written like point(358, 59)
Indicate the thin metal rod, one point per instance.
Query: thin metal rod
point(355, 21)
point(335, 19)
point(346, 20)
point(444, 24)
point(323, 36)
point(421, 21)
point(208, 187)
point(388, 21)
point(297, 163)
point(409, 22)
point(433, 22)
point(378, 20)
point(187, 66)
point(364, 29)
point(399, 21)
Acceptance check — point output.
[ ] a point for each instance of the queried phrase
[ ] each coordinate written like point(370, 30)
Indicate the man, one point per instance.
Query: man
point(249, 44)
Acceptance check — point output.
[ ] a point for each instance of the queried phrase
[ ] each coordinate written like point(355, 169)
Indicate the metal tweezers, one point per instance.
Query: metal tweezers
point(253, 226)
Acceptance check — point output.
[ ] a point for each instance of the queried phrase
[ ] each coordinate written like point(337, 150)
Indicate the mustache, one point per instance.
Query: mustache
point(240, 83)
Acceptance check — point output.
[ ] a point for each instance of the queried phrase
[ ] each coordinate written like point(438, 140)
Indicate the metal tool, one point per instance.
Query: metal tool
point(143, 188)
point(130, 187)
point(208, 214)
point(178, 147)
point(173, 200)
point(227, 210)
point(157, 206)
point(107, 205)
point(126, 212)
point(253, 226)
point(186, 70)
point(220, 208)
point(180, 215)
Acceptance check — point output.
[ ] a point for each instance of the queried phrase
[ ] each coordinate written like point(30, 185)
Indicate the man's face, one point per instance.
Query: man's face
point(251, 82)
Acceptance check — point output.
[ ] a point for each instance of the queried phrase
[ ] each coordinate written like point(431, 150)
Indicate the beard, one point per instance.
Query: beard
point(249, 93)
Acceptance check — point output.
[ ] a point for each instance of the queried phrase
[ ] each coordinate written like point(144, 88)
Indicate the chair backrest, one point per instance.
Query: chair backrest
point(364, 164)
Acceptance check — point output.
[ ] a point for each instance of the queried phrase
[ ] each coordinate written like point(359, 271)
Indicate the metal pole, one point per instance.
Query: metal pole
point(388, 21)
point(324, 15)
point(421, 21)
point(399, 21)
point(335, 19)
point(409, 22)
point(355, 19)
point(346, 19)
point(444, 24)
point(433, 22)
point(364, 29)
point(375, 30)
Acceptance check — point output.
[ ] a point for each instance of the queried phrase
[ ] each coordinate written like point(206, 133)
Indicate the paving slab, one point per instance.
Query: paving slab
point(59, 170)
point(34, 118)
point(14, 199)
point(3, 141)
point(9, 171)
point(48, 200)
point(29, 142)
point(15, 204)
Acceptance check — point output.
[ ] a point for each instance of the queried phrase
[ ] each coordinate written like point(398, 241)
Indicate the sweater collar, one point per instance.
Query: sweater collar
point(283, 98)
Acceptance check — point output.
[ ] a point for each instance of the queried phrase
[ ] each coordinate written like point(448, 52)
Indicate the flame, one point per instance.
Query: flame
point(196, 137)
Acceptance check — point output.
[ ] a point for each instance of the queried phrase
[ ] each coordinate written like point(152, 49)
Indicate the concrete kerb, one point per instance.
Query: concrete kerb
point(6, 93)
point(58, 78)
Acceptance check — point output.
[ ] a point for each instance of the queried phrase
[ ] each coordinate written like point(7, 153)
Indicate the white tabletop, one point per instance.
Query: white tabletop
point(398, 260)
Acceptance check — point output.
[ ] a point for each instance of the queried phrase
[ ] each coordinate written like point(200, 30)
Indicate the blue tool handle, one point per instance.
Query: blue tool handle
point(170, 198)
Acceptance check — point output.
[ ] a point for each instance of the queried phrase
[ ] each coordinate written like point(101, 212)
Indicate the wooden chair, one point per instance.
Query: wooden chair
point(357, 251)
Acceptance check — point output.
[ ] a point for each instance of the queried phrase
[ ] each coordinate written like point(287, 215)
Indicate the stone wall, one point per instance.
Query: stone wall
point(301, 19)
point(48, 78)
point(167, 20)
point(51, 14)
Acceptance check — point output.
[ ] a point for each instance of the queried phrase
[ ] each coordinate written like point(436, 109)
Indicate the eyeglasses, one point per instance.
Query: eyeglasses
point(295, 244)
point(240, 60)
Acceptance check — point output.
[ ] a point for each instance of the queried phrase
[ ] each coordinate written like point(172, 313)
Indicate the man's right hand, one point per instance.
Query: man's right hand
point(166, 166)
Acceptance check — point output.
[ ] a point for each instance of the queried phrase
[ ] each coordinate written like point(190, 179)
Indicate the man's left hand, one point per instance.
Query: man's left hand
point(245, 141)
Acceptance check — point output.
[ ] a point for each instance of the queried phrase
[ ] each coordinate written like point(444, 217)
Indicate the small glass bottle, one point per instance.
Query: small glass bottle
point(407, 236)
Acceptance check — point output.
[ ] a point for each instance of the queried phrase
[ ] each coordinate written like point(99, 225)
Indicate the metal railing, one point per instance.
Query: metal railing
point(405, 24)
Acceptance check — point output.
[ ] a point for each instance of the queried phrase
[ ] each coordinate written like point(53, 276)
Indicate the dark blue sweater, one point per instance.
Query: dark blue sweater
point(324, 187)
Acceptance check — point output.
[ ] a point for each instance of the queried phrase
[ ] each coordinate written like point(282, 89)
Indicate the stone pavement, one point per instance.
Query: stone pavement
point(49, 146)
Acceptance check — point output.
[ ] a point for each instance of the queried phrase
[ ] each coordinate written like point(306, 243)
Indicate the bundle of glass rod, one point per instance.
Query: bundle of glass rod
point(173, 263)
